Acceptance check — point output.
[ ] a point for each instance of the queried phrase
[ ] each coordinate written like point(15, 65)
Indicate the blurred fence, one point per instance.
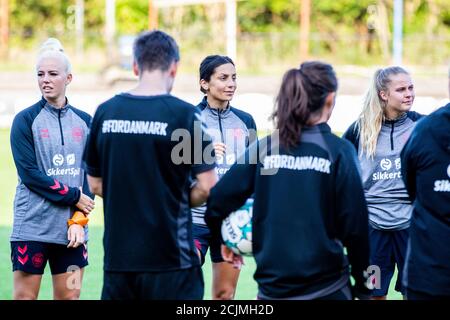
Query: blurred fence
point(256, 52)
point(261, 61)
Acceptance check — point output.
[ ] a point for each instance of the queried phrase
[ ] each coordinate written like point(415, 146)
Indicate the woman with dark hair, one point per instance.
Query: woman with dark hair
point(308, 199)
point(232, 130)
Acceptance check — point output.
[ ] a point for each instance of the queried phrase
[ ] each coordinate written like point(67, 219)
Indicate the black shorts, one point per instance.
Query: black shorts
point(387, 250)
point(203, 241)
point(32, 256)
point(185, 284)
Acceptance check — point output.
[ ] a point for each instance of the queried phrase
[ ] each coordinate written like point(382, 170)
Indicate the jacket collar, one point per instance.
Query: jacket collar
point(320, 127)
point(396, 122)
point(48, 106)
point(215, 112)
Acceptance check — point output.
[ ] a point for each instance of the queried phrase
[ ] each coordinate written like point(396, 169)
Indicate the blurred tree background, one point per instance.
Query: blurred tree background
point(342, 31)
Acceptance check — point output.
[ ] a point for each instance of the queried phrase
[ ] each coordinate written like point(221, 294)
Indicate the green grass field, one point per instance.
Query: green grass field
point(92, 282)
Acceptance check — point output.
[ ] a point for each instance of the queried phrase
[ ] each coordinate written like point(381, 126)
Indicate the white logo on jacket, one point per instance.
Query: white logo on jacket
point(70, 159)
point(443, 185)
point(231, 158)
point(58, 159)
point(398, 164)
point(385, 164)
point(297, 163)
point(74, 172)
point(134, 127)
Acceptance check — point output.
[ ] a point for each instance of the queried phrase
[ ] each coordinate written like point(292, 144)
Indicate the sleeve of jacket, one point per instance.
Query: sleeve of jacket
point(352, 216)
point(228, 196)
point(86, 189)
point(22, 147)
point(352, 135)
point(91, 156)
point(253, 136)
point(408, 167)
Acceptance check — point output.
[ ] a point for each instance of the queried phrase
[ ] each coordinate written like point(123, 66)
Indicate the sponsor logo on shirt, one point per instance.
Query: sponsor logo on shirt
point(70, 159)
point(224, 163)
point(443, 185)
point(398, 164)
point(221, 171)
point(135, 127)
point(58, 160)
point(385, 165)
point(229, 159)
point(63, 172)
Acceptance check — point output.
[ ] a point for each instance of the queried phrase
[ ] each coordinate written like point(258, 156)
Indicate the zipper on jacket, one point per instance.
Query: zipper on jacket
point(392, 136)
point(220, 127)
point(60, 126)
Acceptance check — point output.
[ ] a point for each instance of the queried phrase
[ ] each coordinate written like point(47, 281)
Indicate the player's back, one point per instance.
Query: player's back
point(145, 187)
point(426, 168)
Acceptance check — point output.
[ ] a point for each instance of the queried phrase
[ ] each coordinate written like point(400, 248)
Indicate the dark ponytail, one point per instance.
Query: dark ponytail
point(302, 93)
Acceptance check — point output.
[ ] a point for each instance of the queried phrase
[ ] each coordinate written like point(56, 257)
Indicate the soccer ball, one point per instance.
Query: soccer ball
point(237, 230)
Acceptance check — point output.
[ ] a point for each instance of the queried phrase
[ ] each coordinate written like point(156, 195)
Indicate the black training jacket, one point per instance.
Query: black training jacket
point(426, 172)
point(308, 204)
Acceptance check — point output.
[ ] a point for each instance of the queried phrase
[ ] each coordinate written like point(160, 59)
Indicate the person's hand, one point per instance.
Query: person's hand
point(85, 204)
point(199, 254)
point(198, 246)
point(219, 148)
point(75, 235)
point(229, 256)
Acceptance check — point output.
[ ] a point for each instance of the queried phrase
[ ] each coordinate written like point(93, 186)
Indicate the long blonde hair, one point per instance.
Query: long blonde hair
point(372, 116)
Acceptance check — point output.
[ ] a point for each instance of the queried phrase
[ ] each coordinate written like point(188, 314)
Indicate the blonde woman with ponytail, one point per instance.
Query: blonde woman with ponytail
point(379, 134)
point(52, 196)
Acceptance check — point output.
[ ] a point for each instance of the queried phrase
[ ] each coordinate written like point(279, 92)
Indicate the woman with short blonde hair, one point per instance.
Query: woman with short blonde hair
point(52, 196)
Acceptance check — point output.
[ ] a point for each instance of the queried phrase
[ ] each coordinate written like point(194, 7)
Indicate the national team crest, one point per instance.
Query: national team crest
point(44, 133)
point(77, 134)
point(38, 260)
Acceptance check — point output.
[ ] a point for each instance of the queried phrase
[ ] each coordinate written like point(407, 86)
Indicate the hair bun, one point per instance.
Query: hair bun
point(52, 47)
point(51, 44)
